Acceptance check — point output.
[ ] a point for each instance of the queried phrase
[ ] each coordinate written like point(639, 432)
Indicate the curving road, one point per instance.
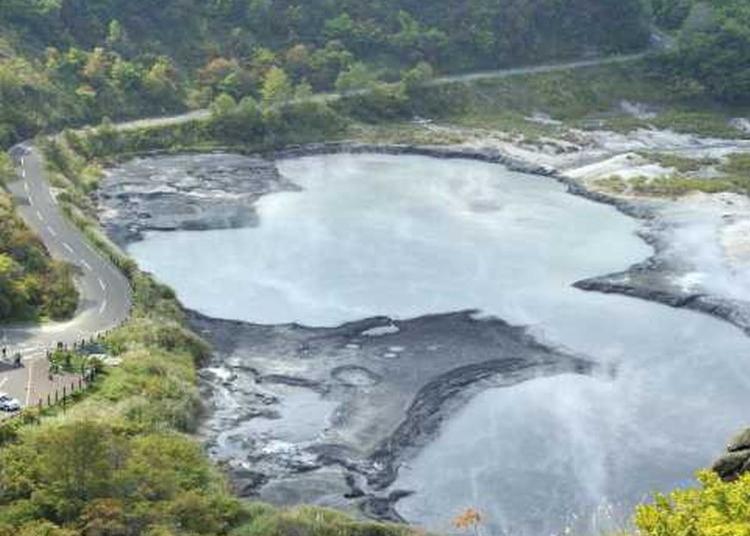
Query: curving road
point(104, 292)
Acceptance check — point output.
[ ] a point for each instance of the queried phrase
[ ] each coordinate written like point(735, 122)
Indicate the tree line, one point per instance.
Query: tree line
point(67, 62)
point(713, 46)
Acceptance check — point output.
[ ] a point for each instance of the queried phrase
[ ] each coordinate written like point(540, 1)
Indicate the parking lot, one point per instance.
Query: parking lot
point(31, 383)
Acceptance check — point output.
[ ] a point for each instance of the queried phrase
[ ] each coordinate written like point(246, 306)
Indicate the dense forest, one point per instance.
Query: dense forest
point(713, 45)
point(66, 62)
point(76, 61)
point(452, 33)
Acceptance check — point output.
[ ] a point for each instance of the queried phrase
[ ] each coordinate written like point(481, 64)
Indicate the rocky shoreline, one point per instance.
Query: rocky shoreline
point(216, 194)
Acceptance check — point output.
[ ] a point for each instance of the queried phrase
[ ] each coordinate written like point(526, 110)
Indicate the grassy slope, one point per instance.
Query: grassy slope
point(584, 98)
point(730, 174)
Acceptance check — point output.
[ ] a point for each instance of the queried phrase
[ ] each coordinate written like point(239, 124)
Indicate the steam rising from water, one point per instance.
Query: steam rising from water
point(710, 235)
point(406, 236)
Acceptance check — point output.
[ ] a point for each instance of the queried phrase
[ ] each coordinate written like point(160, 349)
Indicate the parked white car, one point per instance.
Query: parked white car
point(9, 404)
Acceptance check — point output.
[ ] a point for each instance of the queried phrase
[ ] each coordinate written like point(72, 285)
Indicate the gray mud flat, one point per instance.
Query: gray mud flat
point(185, 192)
point(383, 397)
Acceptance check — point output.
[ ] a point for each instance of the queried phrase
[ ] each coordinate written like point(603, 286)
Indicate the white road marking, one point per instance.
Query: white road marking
point(23, 160)
point(103, 306)
point(51, 231)
point(67, 246)
point(86, 265)
point(39, 215)
point(28, 383)
point(31, 201)
point(2, 382)
point(26, 187)
point(101, 284)
point(23, 173)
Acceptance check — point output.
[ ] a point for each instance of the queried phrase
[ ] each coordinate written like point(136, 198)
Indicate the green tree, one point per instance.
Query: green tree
point(237, 122)
point(105, 517)
point(357, 76)
point(162, 87)
point(297, 61)
point(223, 106)
point(714, 49)
point(417, 76)
point(327, 63)
point(276, 87)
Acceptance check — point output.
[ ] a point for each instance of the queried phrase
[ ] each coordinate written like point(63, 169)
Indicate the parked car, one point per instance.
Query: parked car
point(9, 404)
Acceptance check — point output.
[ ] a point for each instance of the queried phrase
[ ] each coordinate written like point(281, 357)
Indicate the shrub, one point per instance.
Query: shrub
point(92, 477)
point(309, 521)
point(716, 508)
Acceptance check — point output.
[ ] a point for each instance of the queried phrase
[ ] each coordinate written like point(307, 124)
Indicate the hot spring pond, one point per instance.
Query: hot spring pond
point(407, 236)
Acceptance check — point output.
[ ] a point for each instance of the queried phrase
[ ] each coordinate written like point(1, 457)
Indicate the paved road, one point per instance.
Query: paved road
point(535, 69)
point(164, 121)
point(438, 81)
point(104, 291)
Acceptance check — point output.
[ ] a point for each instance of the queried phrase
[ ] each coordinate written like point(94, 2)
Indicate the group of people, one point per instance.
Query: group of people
point(16, 357)
point(77, 345)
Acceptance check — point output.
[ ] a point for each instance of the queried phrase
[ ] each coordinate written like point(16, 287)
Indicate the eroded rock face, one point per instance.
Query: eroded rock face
point(185, 192)
point(736, 461)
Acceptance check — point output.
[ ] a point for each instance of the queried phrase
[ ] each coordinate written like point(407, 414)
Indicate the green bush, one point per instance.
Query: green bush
point(382, 103)
point(86, 474)
point(309, 521)
point(715, 508)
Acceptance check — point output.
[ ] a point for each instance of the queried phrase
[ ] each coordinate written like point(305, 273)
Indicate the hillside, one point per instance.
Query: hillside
point(68, 62)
